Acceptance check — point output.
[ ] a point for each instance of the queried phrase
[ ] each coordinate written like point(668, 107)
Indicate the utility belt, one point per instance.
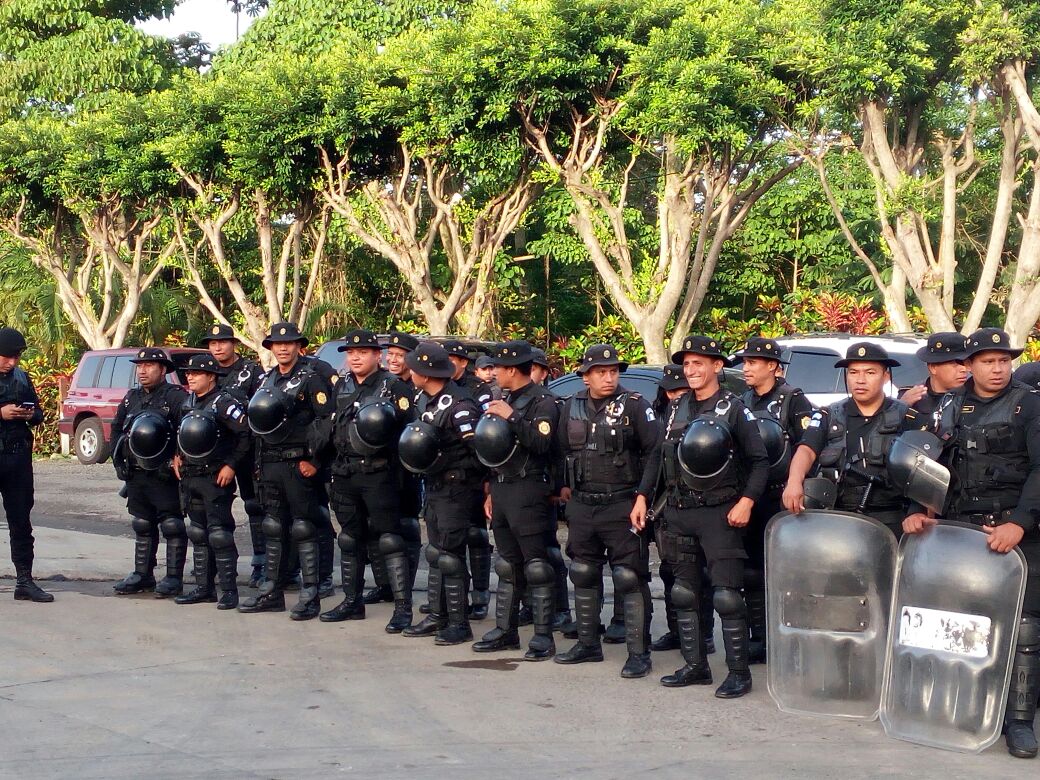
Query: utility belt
point(349, 466)
point(280, 455)
point(601, 499)
point(991, 519)
point(534, 475)
point(695, 499)
point(195, 470)
point(443, 479)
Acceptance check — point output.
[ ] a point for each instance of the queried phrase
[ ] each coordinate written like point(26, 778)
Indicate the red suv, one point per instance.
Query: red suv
point(98, 386)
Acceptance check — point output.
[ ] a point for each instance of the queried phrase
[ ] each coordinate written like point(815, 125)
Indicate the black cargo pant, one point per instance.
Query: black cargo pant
point(212, 528)
point(16, 488)
point(153, 502)
point(293, 507)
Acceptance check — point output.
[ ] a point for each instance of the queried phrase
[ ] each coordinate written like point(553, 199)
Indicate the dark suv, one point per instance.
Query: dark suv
point(97, 388)
point(642, 380)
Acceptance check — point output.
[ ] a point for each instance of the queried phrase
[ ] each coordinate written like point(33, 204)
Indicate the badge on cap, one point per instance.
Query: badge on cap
point(216, 329)
point(140, 354)
point(861, 351)
point(996, 338)
point(938, 345)
point(606, 353)
point(357, 339)
point(544, 428)
point(281, 331)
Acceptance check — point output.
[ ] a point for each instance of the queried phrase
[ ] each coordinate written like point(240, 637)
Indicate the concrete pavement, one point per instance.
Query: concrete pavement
point(99, 686)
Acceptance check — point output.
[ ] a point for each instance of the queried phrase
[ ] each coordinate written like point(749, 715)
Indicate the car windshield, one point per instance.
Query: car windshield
point(329, 352)
point(814, 372)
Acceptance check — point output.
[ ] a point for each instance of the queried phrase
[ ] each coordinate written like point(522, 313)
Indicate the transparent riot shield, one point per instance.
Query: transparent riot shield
point(955, 616)
point(829, 578)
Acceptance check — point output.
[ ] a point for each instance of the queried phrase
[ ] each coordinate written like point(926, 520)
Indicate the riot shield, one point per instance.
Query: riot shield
point(955, 615)
point(829, 579)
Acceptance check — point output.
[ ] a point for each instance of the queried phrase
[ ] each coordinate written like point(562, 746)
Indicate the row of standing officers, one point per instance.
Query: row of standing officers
point(698, 470)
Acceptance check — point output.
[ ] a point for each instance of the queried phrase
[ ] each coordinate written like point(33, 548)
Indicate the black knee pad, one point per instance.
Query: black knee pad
point(1028, 635)
point(451, 565)
point(432, 555)
point(504, 570)
point(410, 530)
point(221, 538)
point(197, 533)
point(754, 579)
point(391, 544)
point(539, 572)
point(728, 602)
point(685, 595)
point(347, 543)
point(556, 557)
point(625, 579)
point(141, 526)
point(253, 507)
point(271, 527)
point(477, 537)
point(172, 526)
point(302, 530)
point(586, 575)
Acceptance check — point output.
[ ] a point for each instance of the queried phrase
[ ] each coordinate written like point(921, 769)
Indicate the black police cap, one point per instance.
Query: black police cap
point(943, 348)
point(601, 355)
point(219, 332)
point(359, 339)
point(405, 341)
point(513, 353)
point(284, 332)
point(154, 355)
point(990, 340)
point(760, 347)
point(430, 359)
point(701, 345)
point(866, 352)
point(205, 363)
point(12, 342)
point(456, 348)
point(673, 378)
point(539, 358)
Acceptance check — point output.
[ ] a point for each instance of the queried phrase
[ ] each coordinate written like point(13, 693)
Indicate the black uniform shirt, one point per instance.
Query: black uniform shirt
point(750, 447)
point(482, 392)
point(166, 398)
point(231, 416)
point(1028, 374)
point(16, 387)
point(463, 414)
point(929, 402)
point(378, 383)
point(536, 427)
point(318, 392)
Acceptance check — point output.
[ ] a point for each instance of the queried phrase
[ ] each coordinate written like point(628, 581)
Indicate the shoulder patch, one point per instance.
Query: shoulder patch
point(544, 428)
point(334, 379)
point(650, 416)
point(403, 404)
point(462, 414)
point(320, 397)
point(805, 422)
point(748, 415)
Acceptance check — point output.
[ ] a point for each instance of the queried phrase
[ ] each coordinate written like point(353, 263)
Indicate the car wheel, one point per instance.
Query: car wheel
point(90, 443)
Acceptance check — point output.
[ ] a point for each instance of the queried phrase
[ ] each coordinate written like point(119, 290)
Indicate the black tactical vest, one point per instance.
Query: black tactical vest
point(990, 458)
point(454, 454)
point(15, 434)
point(679, 419)
point(603, 453)
point(293, 395)
point(209, 410)
point(780, 410)
point(350, 397)
point(835, 465)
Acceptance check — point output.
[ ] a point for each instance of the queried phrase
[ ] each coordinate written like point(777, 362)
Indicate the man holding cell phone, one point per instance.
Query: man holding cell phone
point(19, 413)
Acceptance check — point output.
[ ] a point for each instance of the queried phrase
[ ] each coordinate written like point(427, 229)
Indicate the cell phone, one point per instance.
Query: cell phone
point(27, 405)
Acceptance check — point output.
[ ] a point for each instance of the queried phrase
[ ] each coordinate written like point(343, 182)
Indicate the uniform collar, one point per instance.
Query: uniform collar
point(852, 408)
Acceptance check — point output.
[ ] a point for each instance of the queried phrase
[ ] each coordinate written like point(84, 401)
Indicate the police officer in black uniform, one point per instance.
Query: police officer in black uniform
point(671, 386)
point(241, 377)
point(782, 413)
point(145, 428)
point(606, 434)
point(439, 445)
point(944, 356)
point(851, 440)
point(212, 442)
point(479, 543)
point(992, 430)
point(397, 348)
point(515, 440)
point(372, 406)
point(715, 469)
point(291, 414)
point(20, 412)
point(540, 374)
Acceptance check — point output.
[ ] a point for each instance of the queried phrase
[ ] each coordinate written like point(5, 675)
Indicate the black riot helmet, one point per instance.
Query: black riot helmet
point(775, 438)
point(373, 428)
point(494, 441)
point(419, 447)
point(268, 415)
point(198, 435)
point(151, 440)
point(705, 452)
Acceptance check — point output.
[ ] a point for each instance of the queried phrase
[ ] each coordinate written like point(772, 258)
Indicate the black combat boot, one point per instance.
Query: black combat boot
point(1023, 691)
point(176, 554)
point(26, 589)
point(735, 638)
point(204, 591)
point(696, 670)
point(308, 606)
point(353, 605)
point(145, 543)
point(756, 615)
point(669, 640)
point(588, 648)
point(437, 617)
point(271, 597)
point(541, 577)
point(381, 592)
point(399, 572)
point(504, 635)
point(453, 572)
point(225, 554)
